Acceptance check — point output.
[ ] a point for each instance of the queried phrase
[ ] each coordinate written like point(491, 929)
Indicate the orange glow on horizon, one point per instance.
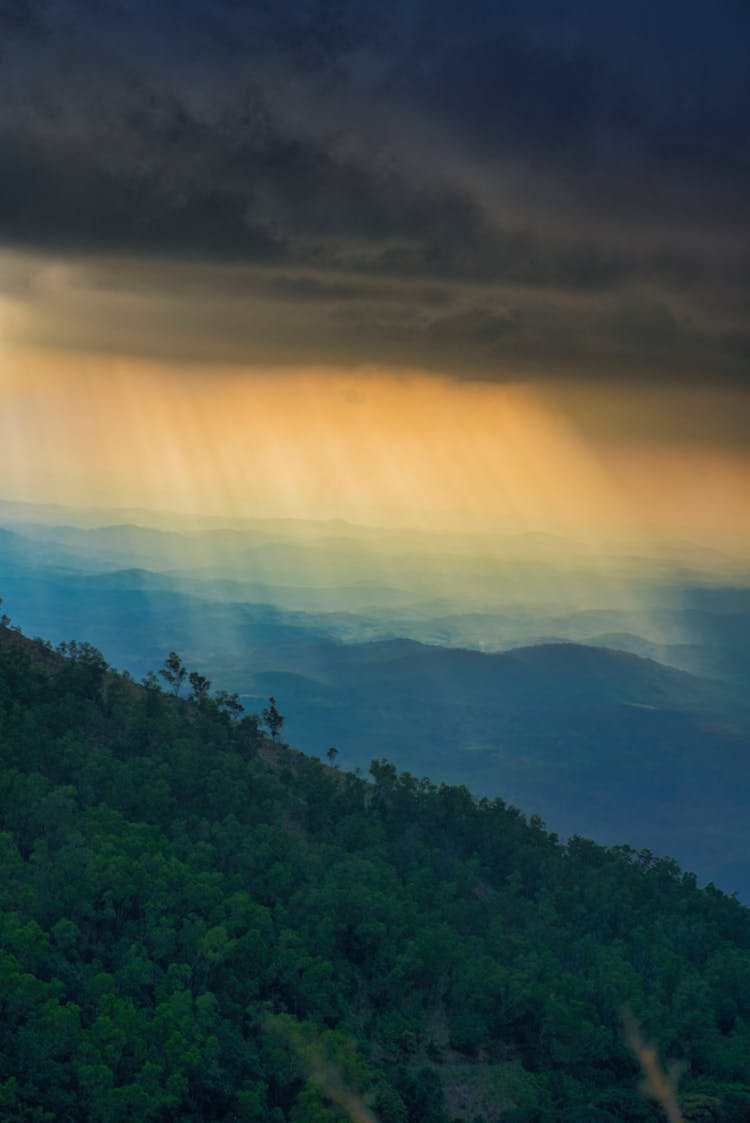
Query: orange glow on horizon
point(370, 447)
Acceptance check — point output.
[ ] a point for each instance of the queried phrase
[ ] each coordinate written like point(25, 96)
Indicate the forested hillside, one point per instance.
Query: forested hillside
point(606, 743)
point(199, 923)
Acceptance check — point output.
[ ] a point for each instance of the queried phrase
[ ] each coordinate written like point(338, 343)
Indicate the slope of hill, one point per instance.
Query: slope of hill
point(594, 740)
point(199, 924)
point(617, 747)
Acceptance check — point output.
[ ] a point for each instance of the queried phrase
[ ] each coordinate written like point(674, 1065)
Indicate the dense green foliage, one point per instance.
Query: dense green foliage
point(200, 924)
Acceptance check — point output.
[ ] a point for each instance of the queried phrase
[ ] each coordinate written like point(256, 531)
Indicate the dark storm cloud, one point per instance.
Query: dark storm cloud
point(478, 187)
point(576, 79)
point(639, 324)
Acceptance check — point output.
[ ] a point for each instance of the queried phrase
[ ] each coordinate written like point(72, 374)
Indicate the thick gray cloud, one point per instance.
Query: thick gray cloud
point(486, 190)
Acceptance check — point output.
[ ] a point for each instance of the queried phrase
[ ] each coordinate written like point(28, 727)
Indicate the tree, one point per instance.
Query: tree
point(174, 671)
point(230, 703)
point(86, 667)
point(82, 652)
point(199, 686)
point(331, 754)
point(273, 720)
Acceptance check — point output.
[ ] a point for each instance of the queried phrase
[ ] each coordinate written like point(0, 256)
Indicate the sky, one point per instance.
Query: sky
point(462, 266)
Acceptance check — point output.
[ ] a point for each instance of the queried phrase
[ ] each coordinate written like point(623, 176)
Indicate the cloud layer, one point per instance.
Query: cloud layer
point(491, 192)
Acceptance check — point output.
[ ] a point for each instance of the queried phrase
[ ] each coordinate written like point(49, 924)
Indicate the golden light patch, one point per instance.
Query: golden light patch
point(412, 450)
point(367, 446)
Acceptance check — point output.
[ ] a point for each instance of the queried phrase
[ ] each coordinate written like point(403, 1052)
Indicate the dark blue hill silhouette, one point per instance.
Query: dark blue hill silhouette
point(571, 673)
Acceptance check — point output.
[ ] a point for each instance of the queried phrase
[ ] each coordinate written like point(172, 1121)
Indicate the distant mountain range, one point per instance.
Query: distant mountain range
point(600, 736)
